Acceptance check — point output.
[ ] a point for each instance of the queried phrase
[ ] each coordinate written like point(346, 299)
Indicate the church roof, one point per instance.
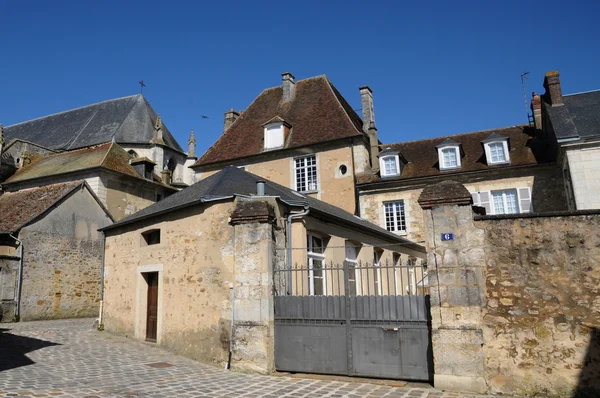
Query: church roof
point(109, 156)
point(127, 120)
point(316, 113)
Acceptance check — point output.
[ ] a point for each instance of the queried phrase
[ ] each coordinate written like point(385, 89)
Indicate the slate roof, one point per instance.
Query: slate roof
point(526, 148)
point(108, 156)
point(232, 181)
point(317, 113)
point(21, 207)
point(127, 120)
point(578, 118)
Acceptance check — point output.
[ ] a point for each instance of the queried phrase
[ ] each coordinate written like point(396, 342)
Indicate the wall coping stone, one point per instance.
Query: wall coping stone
point(570, 213)
point(445, 193)
point(248, 211)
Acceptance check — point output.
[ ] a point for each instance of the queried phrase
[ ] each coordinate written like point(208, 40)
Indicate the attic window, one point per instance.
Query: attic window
point(274, 135)
point(389, 163)
point(496, 149)
point(151, 237)
point(449, 155)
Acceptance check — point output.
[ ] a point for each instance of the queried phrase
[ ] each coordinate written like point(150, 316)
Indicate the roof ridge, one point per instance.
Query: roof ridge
point(455, 135)
point(72, 109)
point(112, 144)
point(581, 92)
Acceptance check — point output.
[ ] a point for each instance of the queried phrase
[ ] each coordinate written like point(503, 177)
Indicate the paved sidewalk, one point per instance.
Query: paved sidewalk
point(68, 358)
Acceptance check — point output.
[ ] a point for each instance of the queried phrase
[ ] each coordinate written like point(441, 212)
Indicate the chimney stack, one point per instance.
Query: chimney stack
point(289, 86)
point(536, 108)
point(553, 90)
point(191, 145)
point(368, 114)
point(230, 117)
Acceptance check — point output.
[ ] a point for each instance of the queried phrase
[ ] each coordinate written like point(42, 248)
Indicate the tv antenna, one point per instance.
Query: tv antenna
point(523, 77)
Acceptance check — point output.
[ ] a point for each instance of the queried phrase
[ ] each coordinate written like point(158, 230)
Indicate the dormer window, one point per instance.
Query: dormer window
point(496, 149)
point(276, 131)
point(449, 155)
point(144, 167)
point(390, 164)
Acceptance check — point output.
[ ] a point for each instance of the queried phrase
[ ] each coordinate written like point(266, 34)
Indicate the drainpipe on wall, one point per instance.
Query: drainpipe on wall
point(289, 244)
point(102, 280)
point(19, 278)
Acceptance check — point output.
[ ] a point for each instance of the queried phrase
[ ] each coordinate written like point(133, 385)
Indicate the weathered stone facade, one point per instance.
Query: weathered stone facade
point(515, 299)
point(542, 313)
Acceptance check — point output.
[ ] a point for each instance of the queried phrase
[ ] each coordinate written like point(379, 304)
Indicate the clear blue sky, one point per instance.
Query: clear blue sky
point(436, 68)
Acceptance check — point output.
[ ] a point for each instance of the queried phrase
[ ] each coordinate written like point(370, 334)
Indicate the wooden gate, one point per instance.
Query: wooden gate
point(152, 309)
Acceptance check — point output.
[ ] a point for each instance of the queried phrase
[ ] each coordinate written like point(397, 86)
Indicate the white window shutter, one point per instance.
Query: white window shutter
point(524, 200)
point(484, 201)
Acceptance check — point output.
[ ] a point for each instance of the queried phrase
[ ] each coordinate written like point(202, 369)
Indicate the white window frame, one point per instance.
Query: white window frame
point(377, 271)
point(352, 249)
point(274, 136)
point(397, 215)
point(397, 259)
point(306, 168)
point(443, 165)
point(488, 152)
point(311, 257)
point(383, 170)
point(486, 200)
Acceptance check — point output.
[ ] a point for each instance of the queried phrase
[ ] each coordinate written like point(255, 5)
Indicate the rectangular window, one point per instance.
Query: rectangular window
point(449, 158)
point(390, 166)
point(151, 237)
point(352, 263)
point(306, 173)
point(274, 136)
point(395, 220)
point(497, 154)
point(505, 202)
point(316, 262)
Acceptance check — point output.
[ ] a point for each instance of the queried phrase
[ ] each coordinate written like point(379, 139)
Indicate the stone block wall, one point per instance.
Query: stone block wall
point(542, 315)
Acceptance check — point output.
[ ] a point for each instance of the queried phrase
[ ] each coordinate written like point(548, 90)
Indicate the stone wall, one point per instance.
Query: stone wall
point(62, 260)
point(542, 309)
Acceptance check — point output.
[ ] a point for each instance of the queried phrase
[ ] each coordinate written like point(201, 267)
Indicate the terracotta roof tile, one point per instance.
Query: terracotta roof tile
point(18, 208)
point(317, 113)
point(527, 147)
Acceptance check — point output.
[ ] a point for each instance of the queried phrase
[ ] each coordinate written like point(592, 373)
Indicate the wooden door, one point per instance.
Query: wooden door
point(152, 311)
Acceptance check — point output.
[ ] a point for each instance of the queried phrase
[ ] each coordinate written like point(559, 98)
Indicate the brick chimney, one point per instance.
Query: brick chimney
point(536, 108)
point(368, 115)
point(230, 117)
point(289, 86)
point(553, 91)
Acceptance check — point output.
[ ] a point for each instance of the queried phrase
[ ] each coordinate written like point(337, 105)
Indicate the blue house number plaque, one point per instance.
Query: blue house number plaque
point(447, 236)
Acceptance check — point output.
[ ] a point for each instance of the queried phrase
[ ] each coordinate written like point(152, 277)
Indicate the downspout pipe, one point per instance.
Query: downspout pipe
point(102, 280)
point(19, 278)
point(289, 245)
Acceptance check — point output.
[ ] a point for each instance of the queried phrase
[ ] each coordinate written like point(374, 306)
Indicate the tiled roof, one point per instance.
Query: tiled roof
point(108, 156)
point(19, 208)
point(232, 181)
point(317, 113)
point(579, 117)
point(526, 148)
point(127, 120)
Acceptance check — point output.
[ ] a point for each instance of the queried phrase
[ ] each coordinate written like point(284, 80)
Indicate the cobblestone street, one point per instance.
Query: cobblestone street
point(68, 358)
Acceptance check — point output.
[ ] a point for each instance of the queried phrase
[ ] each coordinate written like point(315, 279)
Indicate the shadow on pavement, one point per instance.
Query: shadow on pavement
point(15, 347)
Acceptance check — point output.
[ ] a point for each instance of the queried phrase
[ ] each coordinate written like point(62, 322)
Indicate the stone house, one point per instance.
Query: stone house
point(171, 269)
point(303, 135)
point(572, 119)
point(123, 185)
point(50, 252)
point(129, 121)
point(508, 170)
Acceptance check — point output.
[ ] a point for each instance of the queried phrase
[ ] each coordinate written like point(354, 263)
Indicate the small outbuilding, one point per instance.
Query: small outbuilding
point(205, 271)
point(51, 252)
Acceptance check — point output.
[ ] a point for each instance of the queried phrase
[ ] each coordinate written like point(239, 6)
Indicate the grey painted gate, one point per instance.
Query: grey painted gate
point(355, 319)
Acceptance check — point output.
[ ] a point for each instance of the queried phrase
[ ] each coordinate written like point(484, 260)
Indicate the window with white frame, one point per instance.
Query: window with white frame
point(377, 272)
point(449, 158)
point(352, 265)
point(507, 201)
point(389, 163)
point(274, 135)
point(316, 264)
point(496, 152)
point(395, 218)
point(306, 173)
